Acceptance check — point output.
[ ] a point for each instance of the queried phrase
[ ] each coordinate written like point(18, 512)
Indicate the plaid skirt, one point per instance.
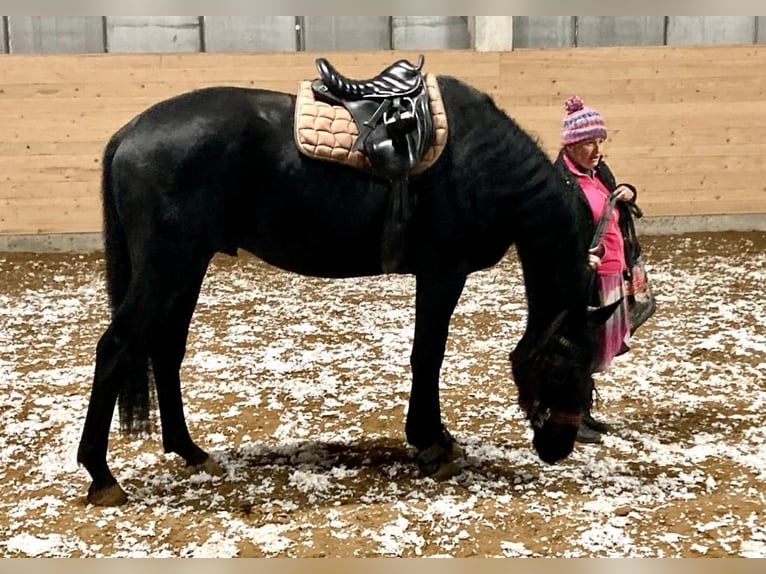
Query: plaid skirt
point(613, 338)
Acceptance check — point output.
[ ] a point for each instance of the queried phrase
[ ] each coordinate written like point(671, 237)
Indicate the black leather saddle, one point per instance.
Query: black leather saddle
point(391, 111)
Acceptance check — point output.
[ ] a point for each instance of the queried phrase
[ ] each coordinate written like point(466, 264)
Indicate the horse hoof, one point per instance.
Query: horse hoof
point(210, 466)
point(440, 461)
point(110, 496)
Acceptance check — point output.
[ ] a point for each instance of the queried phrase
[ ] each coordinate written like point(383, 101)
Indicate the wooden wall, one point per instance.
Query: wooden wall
point(687, 124)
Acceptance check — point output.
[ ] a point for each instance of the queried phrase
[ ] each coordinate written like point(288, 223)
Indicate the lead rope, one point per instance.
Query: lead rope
point(606, 216)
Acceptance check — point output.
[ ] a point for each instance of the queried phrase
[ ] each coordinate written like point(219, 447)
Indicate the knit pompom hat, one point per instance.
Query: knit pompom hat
point(581, 123)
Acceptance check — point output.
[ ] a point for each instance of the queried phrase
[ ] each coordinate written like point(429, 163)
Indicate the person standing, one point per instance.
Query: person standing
point(581, 164)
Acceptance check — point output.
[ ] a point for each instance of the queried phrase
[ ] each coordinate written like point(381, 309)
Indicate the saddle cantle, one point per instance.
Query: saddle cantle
point(392, 125)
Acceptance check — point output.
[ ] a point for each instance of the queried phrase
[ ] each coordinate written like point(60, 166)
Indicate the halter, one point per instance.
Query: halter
point(538, 417)
point(537, 414)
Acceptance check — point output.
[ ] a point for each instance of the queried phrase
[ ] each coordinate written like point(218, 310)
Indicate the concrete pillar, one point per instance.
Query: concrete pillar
point(491, 33)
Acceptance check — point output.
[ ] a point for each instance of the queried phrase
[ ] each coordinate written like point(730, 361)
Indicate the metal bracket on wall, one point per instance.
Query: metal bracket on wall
point(201, 21)
point(300, 34)
point(7, 35)
point(104, 34)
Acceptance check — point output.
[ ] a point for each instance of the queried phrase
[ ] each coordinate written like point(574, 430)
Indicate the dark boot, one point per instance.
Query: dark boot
point(587, 435)
point(593, 424)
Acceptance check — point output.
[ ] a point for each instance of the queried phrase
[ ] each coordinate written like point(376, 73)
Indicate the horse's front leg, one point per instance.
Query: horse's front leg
point(436, 298)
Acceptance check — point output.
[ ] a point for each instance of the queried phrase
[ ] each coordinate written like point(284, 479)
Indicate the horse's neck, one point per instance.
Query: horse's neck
point(555, 279)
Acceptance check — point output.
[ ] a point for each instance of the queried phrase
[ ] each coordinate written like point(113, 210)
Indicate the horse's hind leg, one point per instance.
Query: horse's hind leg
point(153, 320)
point(168, 349)
point(121, 354)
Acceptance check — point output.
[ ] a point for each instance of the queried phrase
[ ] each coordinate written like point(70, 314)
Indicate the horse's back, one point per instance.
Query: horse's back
point(205, 113)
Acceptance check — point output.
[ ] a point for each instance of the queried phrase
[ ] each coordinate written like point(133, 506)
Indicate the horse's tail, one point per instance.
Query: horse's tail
point(134, 398)
point(115, 243)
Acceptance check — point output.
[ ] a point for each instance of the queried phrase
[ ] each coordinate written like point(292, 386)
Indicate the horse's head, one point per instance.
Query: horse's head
point(553, 376)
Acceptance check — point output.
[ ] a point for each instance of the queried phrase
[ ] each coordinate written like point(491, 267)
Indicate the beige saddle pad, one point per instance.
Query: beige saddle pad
point(325, 131)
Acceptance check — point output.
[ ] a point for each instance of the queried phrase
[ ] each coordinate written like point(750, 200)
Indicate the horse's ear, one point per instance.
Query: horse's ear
point(597, 316)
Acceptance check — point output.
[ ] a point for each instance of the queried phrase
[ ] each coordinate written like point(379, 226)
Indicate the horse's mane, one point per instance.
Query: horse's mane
point(498, 141)
point(546, 220)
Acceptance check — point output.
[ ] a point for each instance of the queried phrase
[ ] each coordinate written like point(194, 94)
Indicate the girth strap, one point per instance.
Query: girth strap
point(396, 237)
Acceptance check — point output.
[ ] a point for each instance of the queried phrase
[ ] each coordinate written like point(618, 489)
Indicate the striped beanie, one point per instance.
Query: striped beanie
point(581, 123)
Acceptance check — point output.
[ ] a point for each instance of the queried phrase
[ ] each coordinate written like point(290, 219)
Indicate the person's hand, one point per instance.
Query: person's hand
point(595, 255)
point(623, 193)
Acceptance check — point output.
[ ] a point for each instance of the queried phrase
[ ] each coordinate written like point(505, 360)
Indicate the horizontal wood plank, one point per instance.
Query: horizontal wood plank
point(687, 124)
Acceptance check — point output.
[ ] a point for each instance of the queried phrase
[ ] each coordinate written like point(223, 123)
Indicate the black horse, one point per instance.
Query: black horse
point(217, 169)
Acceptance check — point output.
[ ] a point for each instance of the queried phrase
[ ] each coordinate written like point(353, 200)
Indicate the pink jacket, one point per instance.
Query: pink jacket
point(597, 195)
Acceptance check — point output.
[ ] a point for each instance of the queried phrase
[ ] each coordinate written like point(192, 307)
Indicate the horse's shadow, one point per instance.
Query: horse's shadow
point(374, 454)
point(305, 475)
point(298, 474)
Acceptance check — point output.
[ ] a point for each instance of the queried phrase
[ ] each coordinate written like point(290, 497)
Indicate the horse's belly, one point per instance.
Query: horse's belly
point(319, 258)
